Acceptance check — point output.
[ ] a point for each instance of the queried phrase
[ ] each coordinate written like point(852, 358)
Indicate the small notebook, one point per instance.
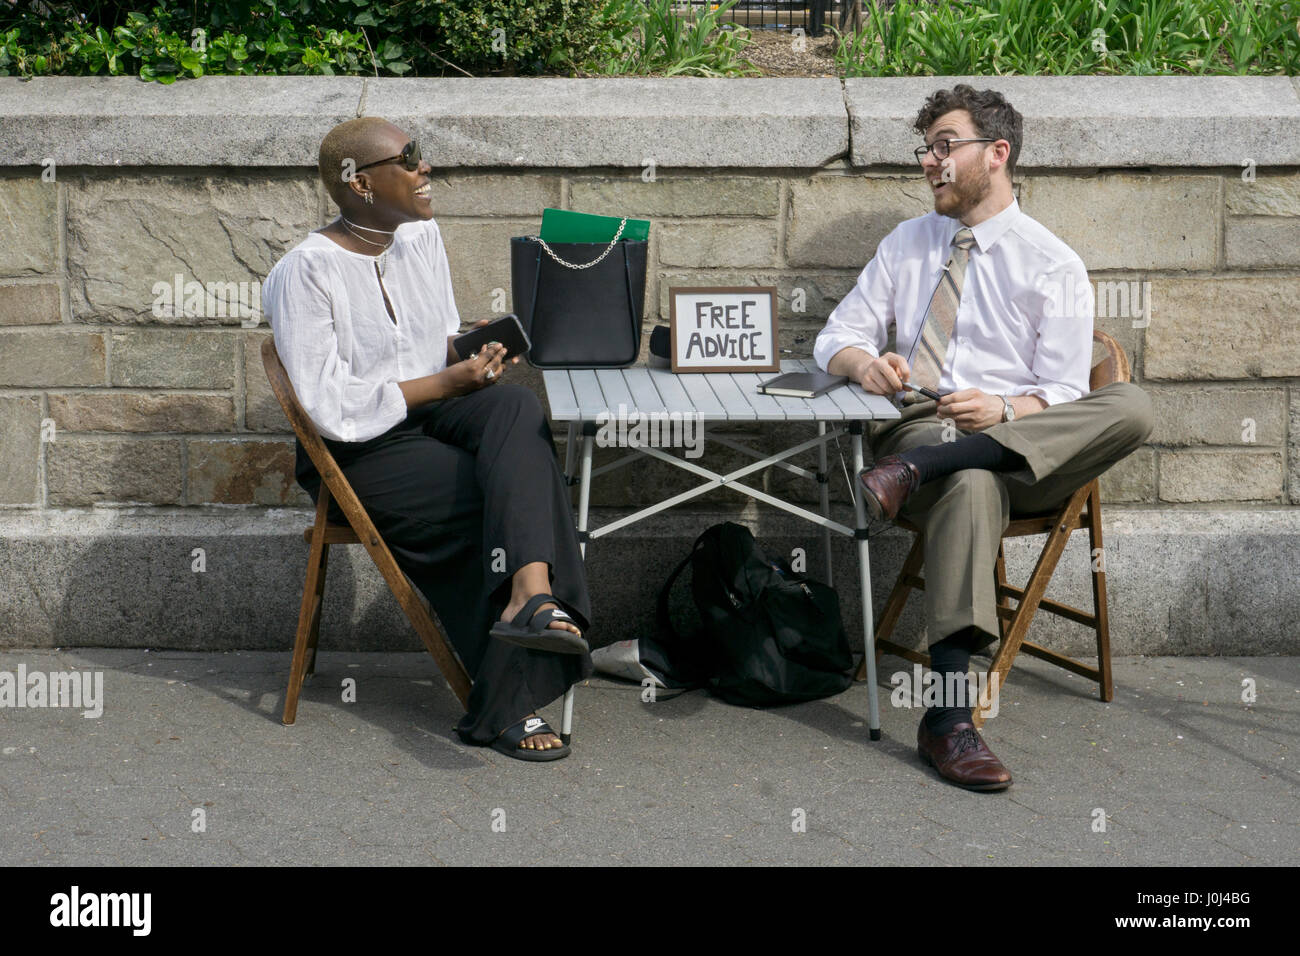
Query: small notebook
point(801, 384)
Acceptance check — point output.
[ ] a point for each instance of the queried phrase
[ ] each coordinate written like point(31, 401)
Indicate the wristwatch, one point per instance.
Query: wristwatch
point(1008, 411)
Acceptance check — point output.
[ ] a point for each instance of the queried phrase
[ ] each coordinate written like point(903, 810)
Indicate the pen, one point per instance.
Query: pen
point(928, 393)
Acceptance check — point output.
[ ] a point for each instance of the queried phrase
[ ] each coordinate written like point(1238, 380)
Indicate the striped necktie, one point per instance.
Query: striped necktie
point(926, 360)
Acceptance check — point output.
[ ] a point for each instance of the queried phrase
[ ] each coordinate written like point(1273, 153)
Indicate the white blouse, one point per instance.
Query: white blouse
point(343, 352)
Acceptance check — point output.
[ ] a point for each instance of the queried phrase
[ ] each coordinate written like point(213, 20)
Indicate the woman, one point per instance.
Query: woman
point(457, 470)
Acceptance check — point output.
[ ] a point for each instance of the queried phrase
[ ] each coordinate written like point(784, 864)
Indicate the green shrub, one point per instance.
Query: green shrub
point(1132, 37)
point(653, 38)
point(172, 40)
point(175, 38)
point(522, 36)
point(164, 40)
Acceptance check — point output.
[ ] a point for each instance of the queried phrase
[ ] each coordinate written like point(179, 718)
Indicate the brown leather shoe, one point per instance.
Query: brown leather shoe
point(887, 484)
point(962, 757)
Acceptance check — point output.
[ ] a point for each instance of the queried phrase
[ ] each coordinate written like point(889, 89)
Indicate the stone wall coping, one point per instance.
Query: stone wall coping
point(1103, 121)
point(279, 121)
point(1071, 122)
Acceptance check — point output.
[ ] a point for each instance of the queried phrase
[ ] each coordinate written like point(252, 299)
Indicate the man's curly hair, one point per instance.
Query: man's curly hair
point(989, 111)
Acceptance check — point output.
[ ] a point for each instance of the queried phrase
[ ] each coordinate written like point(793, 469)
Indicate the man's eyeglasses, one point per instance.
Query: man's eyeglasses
point(409, 157)
point(941, 148)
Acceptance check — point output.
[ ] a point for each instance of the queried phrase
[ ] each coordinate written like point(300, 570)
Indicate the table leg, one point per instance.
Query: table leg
point(566, 722)
point(569, 452)
point(584, 499)
point(864, 576)
point(824, 479)
point(584, 484)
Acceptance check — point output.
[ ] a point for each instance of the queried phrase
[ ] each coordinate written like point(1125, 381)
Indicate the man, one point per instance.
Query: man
point(994, 315)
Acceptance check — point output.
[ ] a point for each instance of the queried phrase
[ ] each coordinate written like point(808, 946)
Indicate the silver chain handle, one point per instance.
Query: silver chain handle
point(571, 265)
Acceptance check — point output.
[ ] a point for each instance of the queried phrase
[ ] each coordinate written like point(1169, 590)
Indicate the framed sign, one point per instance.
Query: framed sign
point(725, 329)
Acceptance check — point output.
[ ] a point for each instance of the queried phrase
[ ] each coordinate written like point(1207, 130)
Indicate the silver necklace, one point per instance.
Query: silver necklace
point(382, 258)
point(363, 238)
point(386, 232)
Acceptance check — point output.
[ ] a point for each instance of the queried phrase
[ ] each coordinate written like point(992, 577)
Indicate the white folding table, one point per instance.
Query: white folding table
point(583, 397)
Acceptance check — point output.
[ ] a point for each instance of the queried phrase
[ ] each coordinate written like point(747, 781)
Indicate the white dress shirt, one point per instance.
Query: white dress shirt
point(1024, 326)
point(343, 352)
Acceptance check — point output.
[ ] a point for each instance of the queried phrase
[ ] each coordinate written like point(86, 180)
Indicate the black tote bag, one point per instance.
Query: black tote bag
point(579, 318)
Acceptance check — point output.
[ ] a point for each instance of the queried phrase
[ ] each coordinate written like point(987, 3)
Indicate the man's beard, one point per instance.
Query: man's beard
point(964, 195)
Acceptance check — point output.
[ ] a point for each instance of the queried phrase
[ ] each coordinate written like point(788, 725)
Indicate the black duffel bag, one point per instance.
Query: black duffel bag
point(578, 315)
point(768, 635)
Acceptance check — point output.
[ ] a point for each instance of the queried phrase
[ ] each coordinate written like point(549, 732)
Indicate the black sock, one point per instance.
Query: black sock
point(969, 451)
point(951, 656)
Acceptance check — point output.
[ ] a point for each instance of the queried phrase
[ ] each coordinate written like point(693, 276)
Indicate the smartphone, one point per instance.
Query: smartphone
point(507, 330)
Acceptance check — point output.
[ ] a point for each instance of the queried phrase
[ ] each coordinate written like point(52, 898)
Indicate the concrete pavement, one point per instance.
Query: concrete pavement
point(1184, 771)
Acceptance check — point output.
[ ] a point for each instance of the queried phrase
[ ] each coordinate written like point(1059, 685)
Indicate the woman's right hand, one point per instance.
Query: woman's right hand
point(471, 374)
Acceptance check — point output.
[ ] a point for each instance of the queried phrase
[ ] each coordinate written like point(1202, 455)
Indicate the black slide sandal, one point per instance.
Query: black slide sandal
point(512, 736)
point(531, 629)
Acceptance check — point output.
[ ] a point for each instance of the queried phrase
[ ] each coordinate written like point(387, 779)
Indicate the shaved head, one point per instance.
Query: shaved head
point(361, 141)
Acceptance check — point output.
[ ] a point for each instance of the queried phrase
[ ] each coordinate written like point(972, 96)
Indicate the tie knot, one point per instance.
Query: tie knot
point(964, 239)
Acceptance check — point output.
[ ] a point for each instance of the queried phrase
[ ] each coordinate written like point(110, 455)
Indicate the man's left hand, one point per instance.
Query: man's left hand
point(970, 409)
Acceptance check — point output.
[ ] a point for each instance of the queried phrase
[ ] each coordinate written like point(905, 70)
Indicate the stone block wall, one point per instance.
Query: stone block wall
point(132, 432)
point(105, 400)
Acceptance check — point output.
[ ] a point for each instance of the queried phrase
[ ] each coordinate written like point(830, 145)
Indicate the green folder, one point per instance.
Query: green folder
point(564, 225)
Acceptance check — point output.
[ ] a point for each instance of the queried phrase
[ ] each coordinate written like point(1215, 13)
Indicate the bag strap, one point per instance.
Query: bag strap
point(573, 265)
point(631, 303)
point(532, 309)
point(665, 632)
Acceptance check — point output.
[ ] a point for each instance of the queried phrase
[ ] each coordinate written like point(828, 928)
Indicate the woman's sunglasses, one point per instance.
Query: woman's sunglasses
point(409, 157)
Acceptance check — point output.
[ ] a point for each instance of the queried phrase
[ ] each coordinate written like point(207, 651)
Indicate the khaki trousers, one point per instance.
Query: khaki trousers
point(963, 515)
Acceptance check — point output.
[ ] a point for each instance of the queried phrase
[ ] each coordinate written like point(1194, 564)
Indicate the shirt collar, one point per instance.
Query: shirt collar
point(990, 230)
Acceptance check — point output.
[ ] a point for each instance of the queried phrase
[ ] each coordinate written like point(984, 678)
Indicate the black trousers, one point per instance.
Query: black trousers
point(465, 492)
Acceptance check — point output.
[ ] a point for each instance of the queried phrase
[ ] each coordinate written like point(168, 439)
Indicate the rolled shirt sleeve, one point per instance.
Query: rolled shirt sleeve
point(1064, 307)
point(863, 317)
point(343, 406)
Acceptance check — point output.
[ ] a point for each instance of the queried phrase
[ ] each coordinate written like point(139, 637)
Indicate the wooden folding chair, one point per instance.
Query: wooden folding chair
point(359, 530)
point(1081, 510)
